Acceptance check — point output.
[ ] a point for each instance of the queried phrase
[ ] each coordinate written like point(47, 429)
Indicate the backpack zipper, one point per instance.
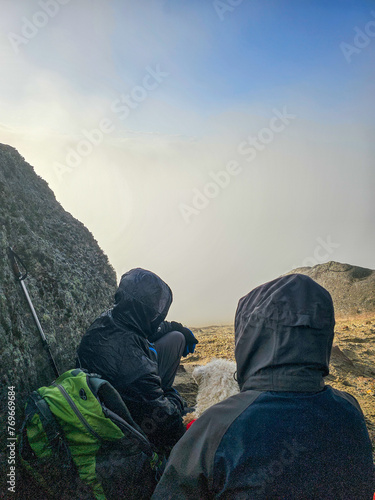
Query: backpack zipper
point(77, 412)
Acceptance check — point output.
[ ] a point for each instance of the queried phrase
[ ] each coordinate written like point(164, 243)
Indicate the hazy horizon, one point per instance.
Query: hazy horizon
point(218, 144)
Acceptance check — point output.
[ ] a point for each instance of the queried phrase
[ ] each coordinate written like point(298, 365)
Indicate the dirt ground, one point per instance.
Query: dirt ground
point(352, 367)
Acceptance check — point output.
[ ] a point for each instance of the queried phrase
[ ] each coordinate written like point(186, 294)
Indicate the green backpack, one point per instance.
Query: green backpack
point(79, 440)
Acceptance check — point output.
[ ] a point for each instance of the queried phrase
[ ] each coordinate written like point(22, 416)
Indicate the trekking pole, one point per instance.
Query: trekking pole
point(15, 260)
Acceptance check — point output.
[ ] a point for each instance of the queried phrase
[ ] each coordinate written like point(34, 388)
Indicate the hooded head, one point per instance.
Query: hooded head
point(142, 301)
point(284, 333)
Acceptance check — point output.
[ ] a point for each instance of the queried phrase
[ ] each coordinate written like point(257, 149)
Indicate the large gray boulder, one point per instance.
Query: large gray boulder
point(70, 280)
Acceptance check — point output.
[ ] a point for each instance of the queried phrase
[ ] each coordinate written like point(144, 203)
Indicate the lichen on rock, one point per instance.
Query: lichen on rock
point(70, 280)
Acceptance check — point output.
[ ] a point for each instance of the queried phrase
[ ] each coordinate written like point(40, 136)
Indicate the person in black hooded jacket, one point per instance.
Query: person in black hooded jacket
point(286, 435)
point(138, 352)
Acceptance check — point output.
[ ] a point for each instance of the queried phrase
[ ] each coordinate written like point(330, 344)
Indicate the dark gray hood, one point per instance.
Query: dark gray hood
point(142, 301)
point(284, 333)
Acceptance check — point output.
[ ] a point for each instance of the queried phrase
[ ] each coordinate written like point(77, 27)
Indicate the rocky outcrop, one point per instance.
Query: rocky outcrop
point(70, 280)
point(352, 288)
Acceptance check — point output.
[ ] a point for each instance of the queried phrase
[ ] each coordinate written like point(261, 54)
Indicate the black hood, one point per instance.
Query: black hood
point(142, 301)
point(284, 333)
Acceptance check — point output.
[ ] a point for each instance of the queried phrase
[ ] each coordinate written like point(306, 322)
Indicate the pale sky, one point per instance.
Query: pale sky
point(219, 144)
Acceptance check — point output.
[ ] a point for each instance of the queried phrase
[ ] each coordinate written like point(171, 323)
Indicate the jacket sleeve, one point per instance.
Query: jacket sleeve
point(164, 327)
point(193, 471)
point(158, 413)
point(188, 474)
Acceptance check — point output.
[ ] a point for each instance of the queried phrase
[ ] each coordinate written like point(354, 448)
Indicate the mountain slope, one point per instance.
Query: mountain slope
point(352, 288)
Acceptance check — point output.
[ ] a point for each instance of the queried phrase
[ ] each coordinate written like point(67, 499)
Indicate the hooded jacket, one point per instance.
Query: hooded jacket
point(116, 346)
point(285, 435)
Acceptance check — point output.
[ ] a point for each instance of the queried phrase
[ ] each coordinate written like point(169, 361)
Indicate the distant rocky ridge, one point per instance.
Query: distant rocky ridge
point(352, 288)
point(70, 280)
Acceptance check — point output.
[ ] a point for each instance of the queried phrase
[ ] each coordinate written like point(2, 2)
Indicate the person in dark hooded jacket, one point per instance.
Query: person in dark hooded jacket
point(138, 352)
point(286, 435)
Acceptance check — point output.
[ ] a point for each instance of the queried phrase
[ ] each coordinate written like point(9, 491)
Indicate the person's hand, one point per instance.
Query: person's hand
point(191, 341)
point(173, 395)
point(189, 348)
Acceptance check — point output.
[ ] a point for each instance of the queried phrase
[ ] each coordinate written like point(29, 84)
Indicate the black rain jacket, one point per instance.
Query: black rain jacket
point(116, 346)
point(285, 435)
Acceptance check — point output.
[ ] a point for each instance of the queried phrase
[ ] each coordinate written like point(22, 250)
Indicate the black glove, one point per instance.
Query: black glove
point(191, 341)
point(173, 395)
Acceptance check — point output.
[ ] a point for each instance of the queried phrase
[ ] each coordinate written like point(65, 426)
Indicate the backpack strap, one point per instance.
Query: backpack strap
point(95, 383)
point(114, 407)
point(55, 436)
point(37, 404)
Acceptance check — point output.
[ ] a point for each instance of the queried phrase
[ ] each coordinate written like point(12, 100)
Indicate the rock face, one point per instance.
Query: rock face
point(70, 280)
point(352, 288)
